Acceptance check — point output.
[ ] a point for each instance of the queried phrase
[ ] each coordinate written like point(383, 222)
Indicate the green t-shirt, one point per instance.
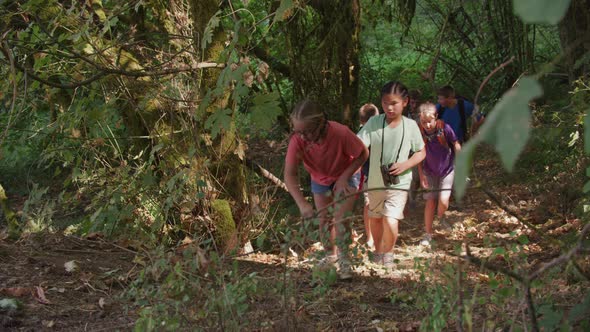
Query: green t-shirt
point(371, 135)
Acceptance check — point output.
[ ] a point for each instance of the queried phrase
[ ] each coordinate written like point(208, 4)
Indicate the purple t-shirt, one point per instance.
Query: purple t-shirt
point(439, 159)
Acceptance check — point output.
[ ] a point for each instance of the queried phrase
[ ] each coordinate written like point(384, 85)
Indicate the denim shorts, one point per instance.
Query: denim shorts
point(317, 188)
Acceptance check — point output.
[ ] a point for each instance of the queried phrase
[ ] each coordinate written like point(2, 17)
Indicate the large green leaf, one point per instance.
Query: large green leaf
point(463, 166)
point(507, 129)
point(541, 11)
point(208, 33)
point(265, 110)
point(220, 119)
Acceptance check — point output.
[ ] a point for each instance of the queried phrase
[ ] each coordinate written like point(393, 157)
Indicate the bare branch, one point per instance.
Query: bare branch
point(105, 71)
point(564, 257)
point(513, 213)
point(478, 262)
point(531, 305)
point(485, 81)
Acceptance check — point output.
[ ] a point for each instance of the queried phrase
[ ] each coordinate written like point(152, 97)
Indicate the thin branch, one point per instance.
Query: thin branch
point(105, 71)
point(531, 305)
point(479, 262)
point(485, 81)
point(508, 210)
point(265, 173)
point(460, 290)
point(564, 257)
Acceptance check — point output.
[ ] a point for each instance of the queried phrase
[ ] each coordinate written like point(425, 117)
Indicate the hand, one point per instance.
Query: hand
point(424, 182)
point(306, 210)
point(397, 168)
point(341, 187)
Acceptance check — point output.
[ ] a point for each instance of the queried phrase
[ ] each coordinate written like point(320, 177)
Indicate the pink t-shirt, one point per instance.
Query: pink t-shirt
point(326, 161)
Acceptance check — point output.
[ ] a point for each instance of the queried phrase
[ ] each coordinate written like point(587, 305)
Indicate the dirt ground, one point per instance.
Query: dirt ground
point(83, 299)
point(58, 295)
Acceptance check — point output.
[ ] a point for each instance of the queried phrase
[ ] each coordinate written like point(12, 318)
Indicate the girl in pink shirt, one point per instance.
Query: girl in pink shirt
point(332, 154)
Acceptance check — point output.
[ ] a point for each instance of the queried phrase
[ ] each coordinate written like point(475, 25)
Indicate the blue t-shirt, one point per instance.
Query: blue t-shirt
point(452, 117)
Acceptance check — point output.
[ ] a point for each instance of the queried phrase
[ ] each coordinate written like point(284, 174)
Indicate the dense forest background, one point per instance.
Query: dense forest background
point(160, 127)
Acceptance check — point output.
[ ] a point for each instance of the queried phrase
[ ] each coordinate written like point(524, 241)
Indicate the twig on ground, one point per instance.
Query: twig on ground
point(460, 304)
point(564, 257)
point(513, 213)
point(531, 306)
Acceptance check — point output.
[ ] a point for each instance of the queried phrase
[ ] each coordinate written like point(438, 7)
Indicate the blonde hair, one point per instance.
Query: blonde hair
point(306, 111)
point(367, 111)
point(427, 111)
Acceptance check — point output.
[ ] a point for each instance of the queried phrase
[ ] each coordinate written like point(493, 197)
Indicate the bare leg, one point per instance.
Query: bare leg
point(321, 202)
point(390, 234)
point(341, 229)
point(443, 205)
point(370, 242)
point(429, 208)
point(377, 231)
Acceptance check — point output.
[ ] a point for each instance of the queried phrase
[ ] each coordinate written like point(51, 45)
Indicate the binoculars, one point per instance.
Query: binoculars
point(388, 179)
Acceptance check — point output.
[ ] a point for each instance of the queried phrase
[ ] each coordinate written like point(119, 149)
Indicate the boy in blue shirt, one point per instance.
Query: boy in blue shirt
point(456, 112)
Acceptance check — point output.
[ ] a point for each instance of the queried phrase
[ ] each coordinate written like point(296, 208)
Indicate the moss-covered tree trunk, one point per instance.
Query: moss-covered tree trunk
point(226, 166)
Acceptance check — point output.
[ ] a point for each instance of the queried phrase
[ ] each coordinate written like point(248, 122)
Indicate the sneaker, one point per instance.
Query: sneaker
point(344, 269)
point(444, 224)
point(426, 239)
point(388, 260)
point(328, 261)
point(376, 258)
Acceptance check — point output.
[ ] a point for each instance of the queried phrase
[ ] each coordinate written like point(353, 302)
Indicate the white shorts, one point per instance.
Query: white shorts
point(443, 185)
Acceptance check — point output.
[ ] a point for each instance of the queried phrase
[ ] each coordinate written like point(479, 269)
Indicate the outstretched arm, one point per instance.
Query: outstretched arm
point(341, 185)
point(457, 147)
point(292, 182)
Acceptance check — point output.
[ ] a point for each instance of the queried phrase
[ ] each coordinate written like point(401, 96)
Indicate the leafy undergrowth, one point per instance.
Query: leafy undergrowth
point(117, 288)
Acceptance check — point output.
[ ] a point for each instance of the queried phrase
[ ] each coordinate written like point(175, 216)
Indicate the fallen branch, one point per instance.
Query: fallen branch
point(564, 257)
point(510, 211)
point(265, 173)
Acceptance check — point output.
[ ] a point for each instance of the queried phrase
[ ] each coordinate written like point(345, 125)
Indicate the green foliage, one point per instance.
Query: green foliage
point(541, 11)
point(507, 129)
point(265, 110)
point(285, 10)
point(180, 295)
point(10, 305)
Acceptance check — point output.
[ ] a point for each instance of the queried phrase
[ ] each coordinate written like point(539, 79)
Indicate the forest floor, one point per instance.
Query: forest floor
point(75, 284)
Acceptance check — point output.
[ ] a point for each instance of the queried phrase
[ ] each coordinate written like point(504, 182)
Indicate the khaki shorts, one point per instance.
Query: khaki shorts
point(387, 203)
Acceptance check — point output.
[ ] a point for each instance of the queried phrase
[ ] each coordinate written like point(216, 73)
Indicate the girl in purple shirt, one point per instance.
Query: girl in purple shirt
point(436, 171)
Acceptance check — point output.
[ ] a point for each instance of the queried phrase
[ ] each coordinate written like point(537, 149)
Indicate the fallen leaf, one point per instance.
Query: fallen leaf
point(15, 291)
point(48, 323)
point(94, 236)
point(293, 253)
point(101, 302)
point(187, 240)
point(71, 266)
point(39, 295)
